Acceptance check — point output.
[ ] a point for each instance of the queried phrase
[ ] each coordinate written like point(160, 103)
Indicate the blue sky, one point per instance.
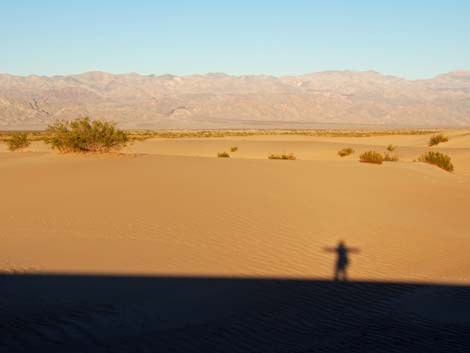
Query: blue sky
point(413, 39)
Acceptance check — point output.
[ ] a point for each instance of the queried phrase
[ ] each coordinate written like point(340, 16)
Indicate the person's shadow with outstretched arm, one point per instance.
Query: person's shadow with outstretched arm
point(342, 260)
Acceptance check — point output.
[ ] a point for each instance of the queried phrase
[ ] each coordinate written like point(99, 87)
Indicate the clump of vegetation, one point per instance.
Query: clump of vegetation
point(85, 135)
point(18, 141)
point(391, 148)
point(285, 156)
point(437, 139)
point(371, 157)
point(223, 155)
point(439, 159)
point(390, 158)
point(233, 149)
point(345, 152)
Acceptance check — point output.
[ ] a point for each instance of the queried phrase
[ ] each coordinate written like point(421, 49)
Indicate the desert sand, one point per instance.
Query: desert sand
point(167, 245)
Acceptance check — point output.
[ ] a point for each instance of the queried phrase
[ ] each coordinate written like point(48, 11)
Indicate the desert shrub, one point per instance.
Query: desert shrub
point(390, 158)
point(85, 135)
point(285, 156)
point(223, 155)
point(18, 140)
point(371, 157)
point(233, 149)
point(437, 139)
point(345, 152)
point(439, 159)
point(391, 148)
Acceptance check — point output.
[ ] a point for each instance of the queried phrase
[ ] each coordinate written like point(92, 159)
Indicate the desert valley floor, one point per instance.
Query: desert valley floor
point(168, 246)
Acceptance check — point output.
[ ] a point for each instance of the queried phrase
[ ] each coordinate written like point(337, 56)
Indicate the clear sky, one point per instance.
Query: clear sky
point(413, 39)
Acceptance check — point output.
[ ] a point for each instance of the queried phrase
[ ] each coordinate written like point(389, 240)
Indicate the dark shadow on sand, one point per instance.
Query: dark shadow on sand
point(93, 313)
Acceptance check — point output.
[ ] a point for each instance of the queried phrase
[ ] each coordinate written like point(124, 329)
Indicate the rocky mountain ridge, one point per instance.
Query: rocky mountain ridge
point(222, 101)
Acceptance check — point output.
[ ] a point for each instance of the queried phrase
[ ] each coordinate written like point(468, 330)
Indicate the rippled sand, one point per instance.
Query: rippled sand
point(169, 209)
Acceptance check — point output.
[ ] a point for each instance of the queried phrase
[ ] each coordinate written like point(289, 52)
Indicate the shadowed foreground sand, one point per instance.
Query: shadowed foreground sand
point(199, 314)
point(176, 213)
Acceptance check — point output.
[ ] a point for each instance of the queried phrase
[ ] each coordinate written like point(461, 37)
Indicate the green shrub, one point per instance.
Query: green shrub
point(18, 140)
point(223, 155)
point(234, 149)
point(439, 159)
point(345, 152)
point(285, 156)
point(391, 148)
point(371, 157)
point(390, 158)
point(85, 135)
point(437, 139)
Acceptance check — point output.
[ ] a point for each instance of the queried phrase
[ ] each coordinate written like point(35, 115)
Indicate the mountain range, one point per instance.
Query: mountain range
point(218, 100)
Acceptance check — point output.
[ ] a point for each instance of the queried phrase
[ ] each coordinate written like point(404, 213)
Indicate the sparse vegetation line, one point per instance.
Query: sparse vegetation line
point(146, 134)
point(141, 135)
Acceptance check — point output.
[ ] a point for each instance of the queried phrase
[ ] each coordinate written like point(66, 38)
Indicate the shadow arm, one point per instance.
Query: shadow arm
point(329, 249)
point(354, 250)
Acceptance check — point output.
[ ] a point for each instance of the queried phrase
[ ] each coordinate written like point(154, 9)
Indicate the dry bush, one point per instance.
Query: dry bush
point(223, 155)
point(345, 152)
point(285, 156)
point(85, 135)
point(390, 158)
point(233, 149)
point(18, 141)
point(439, 159)
point(437, 139)
point(371, 157)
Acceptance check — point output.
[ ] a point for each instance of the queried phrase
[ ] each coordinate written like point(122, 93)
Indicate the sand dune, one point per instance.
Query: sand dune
point(165, 209)
point(169, 208)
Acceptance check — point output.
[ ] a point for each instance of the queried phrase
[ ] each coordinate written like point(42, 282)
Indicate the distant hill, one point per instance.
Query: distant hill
point(219, 100)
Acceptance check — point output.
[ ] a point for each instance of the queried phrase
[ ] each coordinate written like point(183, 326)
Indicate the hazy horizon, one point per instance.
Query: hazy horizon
point(236, 75)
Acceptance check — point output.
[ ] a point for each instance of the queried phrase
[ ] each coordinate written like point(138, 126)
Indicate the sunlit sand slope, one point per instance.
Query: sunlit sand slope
point(248, 217)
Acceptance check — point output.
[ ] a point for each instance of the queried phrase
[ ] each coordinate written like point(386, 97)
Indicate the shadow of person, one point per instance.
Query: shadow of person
point(342, 260)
